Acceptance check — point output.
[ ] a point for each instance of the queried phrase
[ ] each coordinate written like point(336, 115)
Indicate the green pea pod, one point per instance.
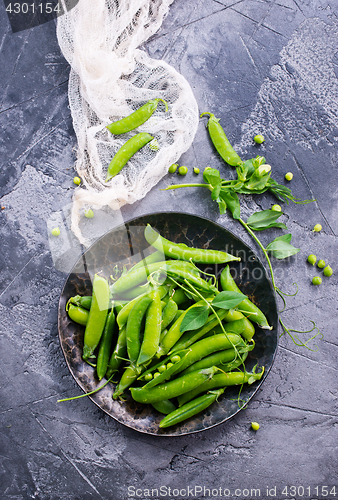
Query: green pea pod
point(166, 406)
point(222, 380)
point(190, 409)
point(122, 316)
point(150, 259)
point(82, 301)
point(97, 316)
point(227, 360)
point(168, 314)
point(188, 338)
point(152, 330)
point(137, 118)
point(207, 346)
point(221, 142)
point(179, 296)
point(134, 327)
point(125, 152)
point(105, 346)
point(183, 252)
point(78, 314)
point(119, 353)
point(129, 376)
point(173, 388)
point(248, 307)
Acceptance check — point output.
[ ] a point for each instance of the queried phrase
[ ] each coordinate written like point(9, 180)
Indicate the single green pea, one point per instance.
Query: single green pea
point(89, 213)
point(255, 426)
point(316, 280)
point(148, 377)
point(259, 139)
point(317, 228)
point(276, 208)
point(169, 365)
point(328, 271)
point(289, 176)
point(175, 359)
point(321, 264)
point(156, 374)
point(312, 259)
point(196, 170)
point(162, 368)
point(77, 181)
point(172, 169)
point(56, 231)
point(183, 170)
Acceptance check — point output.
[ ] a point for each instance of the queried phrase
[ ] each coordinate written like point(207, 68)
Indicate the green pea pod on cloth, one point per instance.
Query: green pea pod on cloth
point(183, 252)
point(190, 409)
point(137, 118)
point(221, 142)
point(97, 316)
point(125, 152)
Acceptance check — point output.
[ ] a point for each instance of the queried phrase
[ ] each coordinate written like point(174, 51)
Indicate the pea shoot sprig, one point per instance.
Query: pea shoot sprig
point(253, 177)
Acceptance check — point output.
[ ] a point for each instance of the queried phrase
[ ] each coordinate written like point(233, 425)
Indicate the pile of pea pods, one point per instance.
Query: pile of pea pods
point(139, 339)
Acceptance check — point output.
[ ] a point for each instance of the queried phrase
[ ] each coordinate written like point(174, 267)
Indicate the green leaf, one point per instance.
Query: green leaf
point(257, 182)
point(228, 300)
point(281, 248)
point(265, 219)
point(195, 318)
point(222, 206)
point(232, 202)
point(215, 192)
point(212, 176)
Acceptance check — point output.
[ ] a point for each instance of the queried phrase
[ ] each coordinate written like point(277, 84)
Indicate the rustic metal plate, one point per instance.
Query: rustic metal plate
point(124, 245)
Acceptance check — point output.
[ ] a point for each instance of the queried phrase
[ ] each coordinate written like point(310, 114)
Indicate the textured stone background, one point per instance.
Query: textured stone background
point(261, 66)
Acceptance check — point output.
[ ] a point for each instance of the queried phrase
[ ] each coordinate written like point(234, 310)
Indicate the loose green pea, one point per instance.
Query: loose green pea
point(255, 426)
point(317, 228)
point(276, 208)
point(259, 139)
point(321, 264)
point(148, 377)
point(172, 169)
point(89, 213)
point(328, 271)
point(175, 359)
point(289, 176)
point(56, 231)
point(77, 181)
point(196, 170)
point(312, 259)
point(162, 368)
point(316, 280)
point(183, 170)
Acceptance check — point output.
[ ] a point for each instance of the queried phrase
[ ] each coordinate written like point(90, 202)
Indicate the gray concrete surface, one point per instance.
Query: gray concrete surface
point(262, 66)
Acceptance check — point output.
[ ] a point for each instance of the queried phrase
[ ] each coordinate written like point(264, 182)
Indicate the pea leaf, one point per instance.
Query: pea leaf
point(257, 182)
point(195, 318)
point(232, 202)
point(215, 192)
point(228, 300)
point(281, 248)
point(265, 219)
point(222, 206)
point(212, 176)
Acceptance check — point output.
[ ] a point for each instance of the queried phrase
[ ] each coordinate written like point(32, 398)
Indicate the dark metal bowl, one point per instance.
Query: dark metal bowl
point(124, 244)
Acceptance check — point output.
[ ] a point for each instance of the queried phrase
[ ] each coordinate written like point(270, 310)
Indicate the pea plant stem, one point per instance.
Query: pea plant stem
point(259, 243)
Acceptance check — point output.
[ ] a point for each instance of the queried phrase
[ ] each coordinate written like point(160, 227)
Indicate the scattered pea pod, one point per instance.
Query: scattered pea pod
point(125, 152)
point(183, 252)
point(221, 142)
point(137, 118)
